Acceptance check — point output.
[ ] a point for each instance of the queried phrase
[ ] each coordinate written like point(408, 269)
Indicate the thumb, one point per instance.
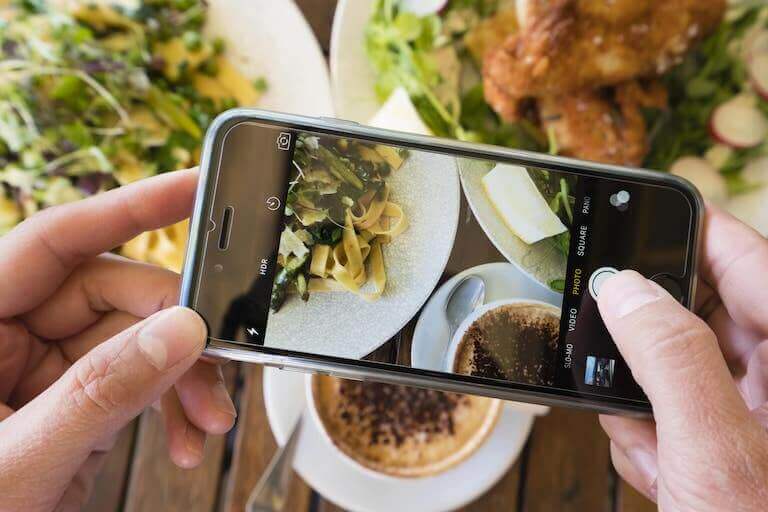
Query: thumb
point(101, 392)
point(673, 354)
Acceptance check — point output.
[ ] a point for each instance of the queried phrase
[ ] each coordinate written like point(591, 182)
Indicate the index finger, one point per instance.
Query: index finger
point(39, 254)
point(735, 264)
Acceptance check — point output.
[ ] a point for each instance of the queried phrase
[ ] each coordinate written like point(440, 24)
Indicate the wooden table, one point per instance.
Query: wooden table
point(565, 465)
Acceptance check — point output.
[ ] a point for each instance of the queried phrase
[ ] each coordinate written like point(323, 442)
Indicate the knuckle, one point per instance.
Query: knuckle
point(97, 386)
point(679, 338)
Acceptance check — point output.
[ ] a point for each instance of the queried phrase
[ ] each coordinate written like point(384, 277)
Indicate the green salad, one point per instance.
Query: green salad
point(101, 96)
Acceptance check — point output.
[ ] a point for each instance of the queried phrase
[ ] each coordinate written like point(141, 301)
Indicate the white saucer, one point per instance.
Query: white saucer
point(321, 466)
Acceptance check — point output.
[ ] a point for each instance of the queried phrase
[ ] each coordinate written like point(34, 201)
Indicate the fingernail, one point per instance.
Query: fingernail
point(634, 292)
point(171, 336)
point(646, 464)
point(221, 399)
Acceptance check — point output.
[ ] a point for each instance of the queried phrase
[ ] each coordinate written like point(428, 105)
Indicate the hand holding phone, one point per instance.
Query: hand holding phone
point(704, 374)
point(84, 347)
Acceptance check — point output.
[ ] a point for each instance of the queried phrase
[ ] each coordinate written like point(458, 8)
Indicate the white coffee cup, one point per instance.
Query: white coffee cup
point(453, 347)
point(484, 432)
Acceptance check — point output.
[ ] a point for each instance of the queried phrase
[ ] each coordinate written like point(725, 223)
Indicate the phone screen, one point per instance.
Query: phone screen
point(347, 248)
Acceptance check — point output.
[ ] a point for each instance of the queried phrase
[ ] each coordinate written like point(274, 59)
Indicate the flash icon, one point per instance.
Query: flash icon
point(252, 331)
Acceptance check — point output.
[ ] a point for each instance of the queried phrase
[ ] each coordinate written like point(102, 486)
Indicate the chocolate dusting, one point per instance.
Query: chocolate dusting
point(392, 414)
point(483, 362)
point(512, 343)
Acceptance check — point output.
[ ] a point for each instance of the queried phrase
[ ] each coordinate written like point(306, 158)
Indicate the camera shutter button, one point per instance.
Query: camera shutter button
point(597, 279)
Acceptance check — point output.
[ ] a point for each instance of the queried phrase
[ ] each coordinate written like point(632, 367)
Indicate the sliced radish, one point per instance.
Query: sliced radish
point(718, 155)
point(703, 175)
point(422, 7)
point(738, 124)
point(758, 73)
point(756, 171)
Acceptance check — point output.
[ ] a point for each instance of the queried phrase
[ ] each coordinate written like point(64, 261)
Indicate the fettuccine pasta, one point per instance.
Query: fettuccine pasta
point(341, 213)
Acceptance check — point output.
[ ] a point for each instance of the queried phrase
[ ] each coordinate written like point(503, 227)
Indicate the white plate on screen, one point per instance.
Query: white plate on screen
point(272, 39)
point(344, 325)
point(338, 480)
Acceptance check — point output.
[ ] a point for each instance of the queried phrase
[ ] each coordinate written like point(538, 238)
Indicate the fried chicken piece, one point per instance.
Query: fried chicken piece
point(572, 45)
point(603, 125)
point(490, 33)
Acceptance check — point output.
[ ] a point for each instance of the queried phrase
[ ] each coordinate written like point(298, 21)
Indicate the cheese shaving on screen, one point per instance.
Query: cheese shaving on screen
point(290, 243)
point(520, 204)
point(398, 113)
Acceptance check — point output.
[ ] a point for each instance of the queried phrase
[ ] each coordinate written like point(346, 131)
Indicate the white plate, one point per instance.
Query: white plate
point(344, 325)
point(352, 77)
point(320, 465)
point(269, 39)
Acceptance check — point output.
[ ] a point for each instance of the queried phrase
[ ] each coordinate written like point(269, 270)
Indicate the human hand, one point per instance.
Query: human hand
point(706, 377)
point(88, 340)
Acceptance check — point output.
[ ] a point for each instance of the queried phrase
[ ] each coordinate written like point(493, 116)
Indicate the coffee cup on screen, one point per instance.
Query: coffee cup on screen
point(514, 340)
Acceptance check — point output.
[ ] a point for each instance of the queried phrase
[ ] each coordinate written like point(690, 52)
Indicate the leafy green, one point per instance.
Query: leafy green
point(483, 7)
point(285, 277)
point(557, 285)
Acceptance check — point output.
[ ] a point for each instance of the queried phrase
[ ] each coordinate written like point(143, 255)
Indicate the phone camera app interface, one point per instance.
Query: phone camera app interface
point(450, 264)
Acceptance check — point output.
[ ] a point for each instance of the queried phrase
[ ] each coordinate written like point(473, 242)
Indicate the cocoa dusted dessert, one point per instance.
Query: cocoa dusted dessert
point(402, 431)
point(516, 342)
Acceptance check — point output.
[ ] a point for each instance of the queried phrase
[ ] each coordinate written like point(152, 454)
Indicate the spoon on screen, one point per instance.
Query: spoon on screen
point(467, 295)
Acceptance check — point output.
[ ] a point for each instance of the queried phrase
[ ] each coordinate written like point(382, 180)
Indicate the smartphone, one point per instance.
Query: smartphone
point(320, 245)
